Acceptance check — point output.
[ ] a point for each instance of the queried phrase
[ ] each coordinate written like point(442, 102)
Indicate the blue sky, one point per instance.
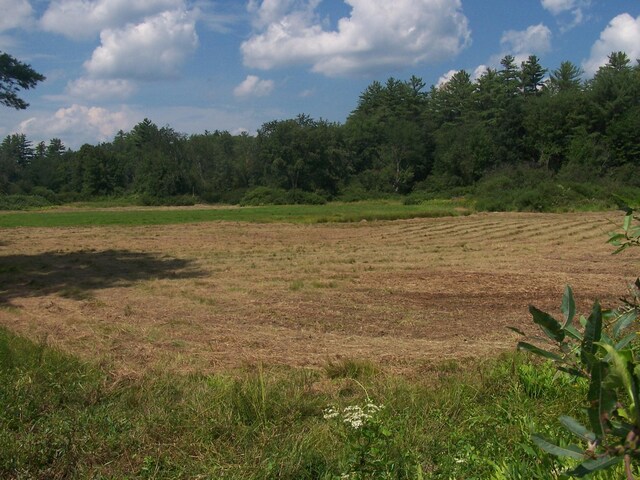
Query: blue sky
point(201, 65)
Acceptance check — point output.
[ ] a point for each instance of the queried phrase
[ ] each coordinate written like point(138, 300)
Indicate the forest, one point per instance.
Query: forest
point(519, 137)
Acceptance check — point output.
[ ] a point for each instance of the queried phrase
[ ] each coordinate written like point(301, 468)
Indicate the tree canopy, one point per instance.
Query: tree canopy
point(400, 138)
point(14, 76)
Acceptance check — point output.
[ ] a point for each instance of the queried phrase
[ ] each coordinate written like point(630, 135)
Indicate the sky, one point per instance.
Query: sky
point(198, 65)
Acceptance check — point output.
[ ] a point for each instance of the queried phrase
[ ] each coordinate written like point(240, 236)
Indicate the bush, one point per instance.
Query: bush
point(22, 202)
point(298, 197)
point(601, 351)
point(44, 192)
point(536, 190)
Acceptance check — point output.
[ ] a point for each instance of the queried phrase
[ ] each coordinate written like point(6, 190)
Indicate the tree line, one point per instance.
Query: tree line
point(401, 138)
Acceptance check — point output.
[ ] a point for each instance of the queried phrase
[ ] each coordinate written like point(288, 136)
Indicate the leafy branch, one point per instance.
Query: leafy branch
point(601, 350)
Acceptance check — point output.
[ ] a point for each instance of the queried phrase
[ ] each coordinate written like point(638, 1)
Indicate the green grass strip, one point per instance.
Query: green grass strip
point(333, 212)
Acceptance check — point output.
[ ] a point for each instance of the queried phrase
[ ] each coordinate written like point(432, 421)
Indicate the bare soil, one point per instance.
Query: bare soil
point(215, 296)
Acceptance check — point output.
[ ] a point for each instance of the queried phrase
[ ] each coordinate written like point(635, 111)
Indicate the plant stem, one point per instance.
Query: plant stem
point(627, 467)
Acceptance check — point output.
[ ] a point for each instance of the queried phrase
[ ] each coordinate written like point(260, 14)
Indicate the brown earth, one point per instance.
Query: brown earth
point(214, 296)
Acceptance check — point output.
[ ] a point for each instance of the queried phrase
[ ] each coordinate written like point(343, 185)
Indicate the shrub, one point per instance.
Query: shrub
point(22, 202)
point(601, 351)
point(44, 192)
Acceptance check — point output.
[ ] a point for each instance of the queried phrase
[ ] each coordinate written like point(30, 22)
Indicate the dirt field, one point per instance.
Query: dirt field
point(220, 295)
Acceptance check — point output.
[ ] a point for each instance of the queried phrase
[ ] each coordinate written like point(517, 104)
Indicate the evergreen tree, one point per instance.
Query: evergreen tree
point(14, 76)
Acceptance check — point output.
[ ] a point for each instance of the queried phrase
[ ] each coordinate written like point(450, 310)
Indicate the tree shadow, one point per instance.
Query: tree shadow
point(77, 274)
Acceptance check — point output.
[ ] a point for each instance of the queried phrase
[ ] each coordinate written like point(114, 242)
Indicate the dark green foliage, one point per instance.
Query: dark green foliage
point(279, 196)
point(511, 139)
point(602, 351)
point(23, 202)
point(14, 76)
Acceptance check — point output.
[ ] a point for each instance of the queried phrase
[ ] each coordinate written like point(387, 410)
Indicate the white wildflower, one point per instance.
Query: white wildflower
point(353, 416)
point(330, 413)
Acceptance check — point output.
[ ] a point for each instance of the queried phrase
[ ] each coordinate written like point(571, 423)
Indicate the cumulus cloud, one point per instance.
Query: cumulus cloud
point(253, 86)
point(152, 49)
point(375, 36)
point(621, 34)
point(15, 14)
point(444, 79)
point(272, 11)
point(536, 39)
point(85, 18)
point(575, 7)
point(79, 123)
point(557, 7)
point(479, 71)
point(99, 89)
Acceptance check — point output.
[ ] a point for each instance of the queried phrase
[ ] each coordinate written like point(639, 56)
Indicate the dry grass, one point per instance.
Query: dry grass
point(215, 296)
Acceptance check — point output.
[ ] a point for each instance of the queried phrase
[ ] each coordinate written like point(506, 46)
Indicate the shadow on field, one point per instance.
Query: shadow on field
point(77, 274)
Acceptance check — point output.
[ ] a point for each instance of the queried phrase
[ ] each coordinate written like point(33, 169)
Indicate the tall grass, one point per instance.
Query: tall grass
point(60, 418)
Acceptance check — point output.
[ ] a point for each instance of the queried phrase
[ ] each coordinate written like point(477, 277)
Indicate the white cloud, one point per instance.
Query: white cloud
point(376, 35)
point(308, 92)
point(98, 89)
point(149, 50)
point(536, 39)
point(252, 86)
point(210, 16)
point(478, 72)
point(85, 18)
point(444, 79)
point(622, 34)
point(15, 14)
point(78, 124)
point(575, 7)
point(556, 7)
point(272, 11)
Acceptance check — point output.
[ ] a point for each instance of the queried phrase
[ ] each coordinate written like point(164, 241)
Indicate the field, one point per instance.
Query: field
point(216, 296)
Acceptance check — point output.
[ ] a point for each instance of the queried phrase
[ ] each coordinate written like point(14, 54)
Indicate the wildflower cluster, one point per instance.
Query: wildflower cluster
point(368, 439)
point(354, 416)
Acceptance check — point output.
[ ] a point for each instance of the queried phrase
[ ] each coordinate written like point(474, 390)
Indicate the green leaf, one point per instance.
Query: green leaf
point(618, 375)
point(550, 326)
point(591, 466)
point(568, 306)
point(632, 368)
point(583, 321)
point(517, 330)
point(615, 239)
point(573, 332)
point(592, 333)
point(628, 218)
point(620, 249)
point(594, 396)
point(539, 351)
point(622, 204)
point(571, 451)
point(624, 321)
point(577, 428)
point(626, 341)
point(572, 371)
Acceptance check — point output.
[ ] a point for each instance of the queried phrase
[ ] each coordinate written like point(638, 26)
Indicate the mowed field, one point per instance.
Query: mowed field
point(214, 296)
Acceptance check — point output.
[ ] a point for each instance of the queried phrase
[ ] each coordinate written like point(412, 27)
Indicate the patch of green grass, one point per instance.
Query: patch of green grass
point(60, 418)
point(334, 212)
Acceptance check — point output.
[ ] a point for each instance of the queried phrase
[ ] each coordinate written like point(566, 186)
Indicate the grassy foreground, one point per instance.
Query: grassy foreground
point(60, 418)
point(333, 212)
